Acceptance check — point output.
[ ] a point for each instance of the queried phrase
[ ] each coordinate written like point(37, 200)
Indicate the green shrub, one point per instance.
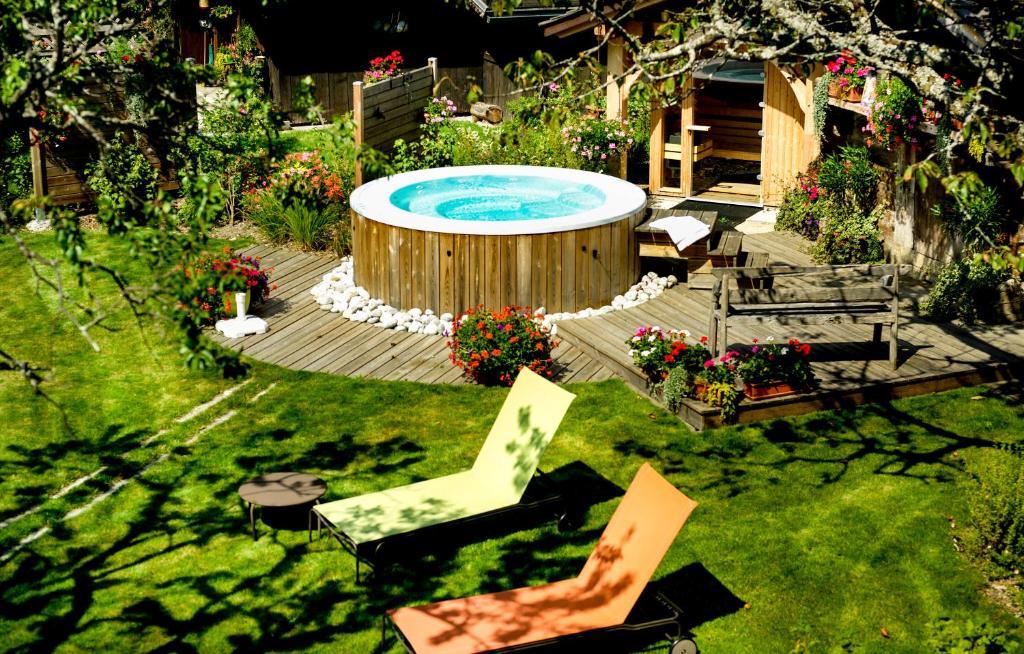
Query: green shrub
point(515, 144)
point(436, 145)
point(965, 289)
point(847, 236)
point(264, 210)
point(849, 176)
point(970, 637)
point(15, 169)
point(801, 209)
point(978, 218)
point(995, 535)
point(122, 176)
point(234, 142)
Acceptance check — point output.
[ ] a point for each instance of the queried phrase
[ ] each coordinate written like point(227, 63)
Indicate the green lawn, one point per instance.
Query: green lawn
point(830, 527)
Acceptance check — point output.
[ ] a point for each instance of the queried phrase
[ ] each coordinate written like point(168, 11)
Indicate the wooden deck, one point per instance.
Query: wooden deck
point(303, 336)
point(933, 357)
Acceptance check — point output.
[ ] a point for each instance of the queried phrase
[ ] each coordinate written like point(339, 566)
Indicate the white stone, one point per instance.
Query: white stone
point(432, 329)
point(415, 313)
point(446, 317)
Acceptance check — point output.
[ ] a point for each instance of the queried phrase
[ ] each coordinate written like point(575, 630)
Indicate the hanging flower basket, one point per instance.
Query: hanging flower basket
point(765, 390)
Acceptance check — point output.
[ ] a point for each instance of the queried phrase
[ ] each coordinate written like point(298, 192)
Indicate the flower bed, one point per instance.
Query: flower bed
point(491, 346)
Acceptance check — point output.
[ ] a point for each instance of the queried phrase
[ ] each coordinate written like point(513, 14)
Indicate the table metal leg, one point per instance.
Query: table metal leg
point(252, 519)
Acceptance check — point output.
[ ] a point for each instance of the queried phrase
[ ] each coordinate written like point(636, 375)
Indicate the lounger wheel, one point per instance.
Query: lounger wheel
point(684, 646)
point(569, 521)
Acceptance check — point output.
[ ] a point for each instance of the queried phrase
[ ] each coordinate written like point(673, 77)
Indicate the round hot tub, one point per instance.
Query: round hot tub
point(452, 238)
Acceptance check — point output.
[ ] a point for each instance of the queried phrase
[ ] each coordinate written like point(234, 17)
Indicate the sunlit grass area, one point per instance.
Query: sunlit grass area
point(825, 528)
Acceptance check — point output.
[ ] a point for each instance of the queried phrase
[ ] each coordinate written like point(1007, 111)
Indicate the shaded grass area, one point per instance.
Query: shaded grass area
point(830, 526)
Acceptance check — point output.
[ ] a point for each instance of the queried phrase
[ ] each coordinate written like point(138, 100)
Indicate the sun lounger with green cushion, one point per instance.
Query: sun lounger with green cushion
point(595, 604)
point(505, 465)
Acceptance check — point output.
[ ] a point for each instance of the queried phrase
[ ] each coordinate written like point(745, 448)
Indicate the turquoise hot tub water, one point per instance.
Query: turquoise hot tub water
point(497, 198)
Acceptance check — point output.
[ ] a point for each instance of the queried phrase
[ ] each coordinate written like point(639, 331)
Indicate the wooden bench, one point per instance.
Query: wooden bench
point(822, 295)
point(718, 248)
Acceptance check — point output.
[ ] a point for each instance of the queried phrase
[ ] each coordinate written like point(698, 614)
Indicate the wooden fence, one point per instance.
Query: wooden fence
point(58, 167)
point(334, 90)
point(392, 109)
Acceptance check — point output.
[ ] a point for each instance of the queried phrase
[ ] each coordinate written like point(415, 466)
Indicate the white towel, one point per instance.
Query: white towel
point(683, 230)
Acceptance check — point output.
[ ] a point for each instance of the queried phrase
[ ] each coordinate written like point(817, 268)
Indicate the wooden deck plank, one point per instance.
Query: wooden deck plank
point(375, 345)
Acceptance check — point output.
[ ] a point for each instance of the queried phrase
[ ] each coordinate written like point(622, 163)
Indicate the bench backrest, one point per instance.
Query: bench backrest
point(871, 283)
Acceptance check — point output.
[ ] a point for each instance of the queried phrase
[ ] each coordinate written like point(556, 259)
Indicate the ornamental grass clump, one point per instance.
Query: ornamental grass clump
point(215, 281)
point(770, 362)
point(492, 346)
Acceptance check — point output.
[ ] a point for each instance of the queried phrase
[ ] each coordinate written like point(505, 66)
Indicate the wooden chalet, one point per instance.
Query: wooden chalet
point(738, 132)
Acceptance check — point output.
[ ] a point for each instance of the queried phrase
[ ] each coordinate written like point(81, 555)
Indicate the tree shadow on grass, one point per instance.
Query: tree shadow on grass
point(882, 438)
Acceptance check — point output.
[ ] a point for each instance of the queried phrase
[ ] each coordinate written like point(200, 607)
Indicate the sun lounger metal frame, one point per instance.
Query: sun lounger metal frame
point(679, 642)
point(369, 553)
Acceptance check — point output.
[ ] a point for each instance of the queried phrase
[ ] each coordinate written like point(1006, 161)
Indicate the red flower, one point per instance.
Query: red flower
point(126, 58)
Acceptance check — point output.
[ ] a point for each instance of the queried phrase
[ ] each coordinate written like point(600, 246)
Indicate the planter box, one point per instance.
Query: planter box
point(844, 93)
point(770, 389)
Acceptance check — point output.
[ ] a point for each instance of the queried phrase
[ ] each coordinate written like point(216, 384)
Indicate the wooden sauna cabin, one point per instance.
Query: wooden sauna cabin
point(738, 134)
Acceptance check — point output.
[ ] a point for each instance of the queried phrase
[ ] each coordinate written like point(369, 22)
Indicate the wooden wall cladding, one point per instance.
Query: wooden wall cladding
point(560, 271)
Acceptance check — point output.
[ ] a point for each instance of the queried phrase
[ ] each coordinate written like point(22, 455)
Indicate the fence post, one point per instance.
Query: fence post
point(432, 62)
point(38, 159)
point(357, 116)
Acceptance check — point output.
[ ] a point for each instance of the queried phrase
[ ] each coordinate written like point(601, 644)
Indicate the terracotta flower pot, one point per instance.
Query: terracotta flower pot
point(840, 92)
point(760, 391)
point(699, 390)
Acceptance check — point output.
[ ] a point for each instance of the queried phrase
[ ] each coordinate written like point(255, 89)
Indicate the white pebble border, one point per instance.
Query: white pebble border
point(338, 293)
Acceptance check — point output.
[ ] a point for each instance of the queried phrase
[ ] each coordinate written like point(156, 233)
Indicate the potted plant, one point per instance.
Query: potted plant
point(657, 351)
point(382, 68)
point(771, 370)
point(217, 279)
point(846, 79)
point(716, 384)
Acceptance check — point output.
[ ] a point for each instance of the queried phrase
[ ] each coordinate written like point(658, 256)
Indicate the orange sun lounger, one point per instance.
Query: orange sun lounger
point(632, 546)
